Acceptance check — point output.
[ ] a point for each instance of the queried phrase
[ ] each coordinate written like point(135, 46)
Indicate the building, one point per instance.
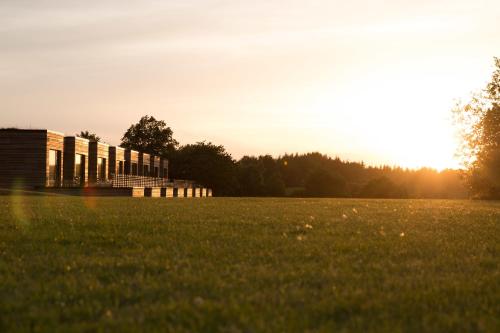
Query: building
point(116, 161)
point(163, 168)
point(131, 162)
point(98, 161)
point(31, 158)
point(155, 162)
point(41, 159)
point(76, 161)
point(144, 164)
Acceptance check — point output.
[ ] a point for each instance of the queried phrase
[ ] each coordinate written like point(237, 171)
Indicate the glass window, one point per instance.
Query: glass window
point(53, 165)
point(120, 167)
point(134, 169)
point(146, 170)
point(101, 168)
point(78, 166)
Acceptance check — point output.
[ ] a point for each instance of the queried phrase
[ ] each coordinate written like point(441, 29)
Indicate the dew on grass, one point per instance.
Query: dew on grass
point(402, 234)
point(344, 216)
point(308, 226)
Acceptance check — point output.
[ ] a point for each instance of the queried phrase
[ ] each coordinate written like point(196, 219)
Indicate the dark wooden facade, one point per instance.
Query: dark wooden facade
point(43, 158)
point(163, 167)
point(116, 161)
point(144, 164)
point(98, 162)
point(31, 158)
point(131, 162)
point(76, 161)
point(155, 162)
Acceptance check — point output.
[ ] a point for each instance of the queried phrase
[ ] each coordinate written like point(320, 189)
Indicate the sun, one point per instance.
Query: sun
point(394, 120)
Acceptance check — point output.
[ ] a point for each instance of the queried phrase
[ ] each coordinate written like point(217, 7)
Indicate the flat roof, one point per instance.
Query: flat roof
point(77, 138)
point(55, 132)
point(14, 129)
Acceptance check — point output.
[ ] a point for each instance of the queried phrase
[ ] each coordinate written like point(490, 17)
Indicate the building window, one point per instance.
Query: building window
point(101, 169)
point(165, 173)
point(54, 167)
point(146, 170)
point(79, 169)
point(134, 169)
point(120, 167)
point(157, 171)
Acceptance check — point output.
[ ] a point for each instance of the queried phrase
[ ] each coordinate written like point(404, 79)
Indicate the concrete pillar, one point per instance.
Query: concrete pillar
point(179, 192)
point(138, 192)
point(154, 192)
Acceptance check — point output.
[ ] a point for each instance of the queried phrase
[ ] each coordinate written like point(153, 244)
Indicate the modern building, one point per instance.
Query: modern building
point(163, 168)
point(144, 164)
point(131, 162)
point(116, 161)
point(98, 162)
point(31, 158)
point(155, 162)
point(76, 161)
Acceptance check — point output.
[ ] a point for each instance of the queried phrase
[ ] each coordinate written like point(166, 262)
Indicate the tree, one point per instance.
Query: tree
point(250, 178)
point(260, 177)
point(382, 187)
point(322, 183)
point(89, 136)
point(150, 136)
point(207, 164)
point(479, 126)
point(273, 182)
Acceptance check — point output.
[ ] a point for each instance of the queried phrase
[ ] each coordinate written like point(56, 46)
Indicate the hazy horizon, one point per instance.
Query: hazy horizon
point(366, 80)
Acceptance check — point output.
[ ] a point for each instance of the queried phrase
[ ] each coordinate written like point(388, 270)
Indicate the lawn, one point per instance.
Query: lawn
point(248, 265)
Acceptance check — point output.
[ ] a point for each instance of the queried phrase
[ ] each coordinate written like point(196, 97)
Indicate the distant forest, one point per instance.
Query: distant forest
point(317, 175)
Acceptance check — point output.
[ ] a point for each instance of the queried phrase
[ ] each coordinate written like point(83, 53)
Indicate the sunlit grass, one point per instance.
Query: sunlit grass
point(238, 265)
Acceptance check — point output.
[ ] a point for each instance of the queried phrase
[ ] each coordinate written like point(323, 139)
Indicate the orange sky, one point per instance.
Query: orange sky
point(365, 80)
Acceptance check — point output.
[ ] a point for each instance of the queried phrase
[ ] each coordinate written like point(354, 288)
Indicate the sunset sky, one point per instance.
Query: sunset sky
point(365, 80)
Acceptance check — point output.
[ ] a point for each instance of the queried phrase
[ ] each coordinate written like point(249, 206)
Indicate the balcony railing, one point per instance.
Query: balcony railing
point(183, 183)
point(138, 181)
point(131, 181)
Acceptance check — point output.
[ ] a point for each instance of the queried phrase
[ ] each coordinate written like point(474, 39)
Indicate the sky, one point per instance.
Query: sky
point(365, 80)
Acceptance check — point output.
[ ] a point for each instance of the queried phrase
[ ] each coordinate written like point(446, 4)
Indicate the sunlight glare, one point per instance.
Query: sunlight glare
point(403, 118)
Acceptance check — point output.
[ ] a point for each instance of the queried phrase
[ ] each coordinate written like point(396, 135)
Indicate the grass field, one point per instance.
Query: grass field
point(248, 265)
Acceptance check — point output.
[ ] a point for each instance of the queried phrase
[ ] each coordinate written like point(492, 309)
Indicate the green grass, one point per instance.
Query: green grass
point(248, 265)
